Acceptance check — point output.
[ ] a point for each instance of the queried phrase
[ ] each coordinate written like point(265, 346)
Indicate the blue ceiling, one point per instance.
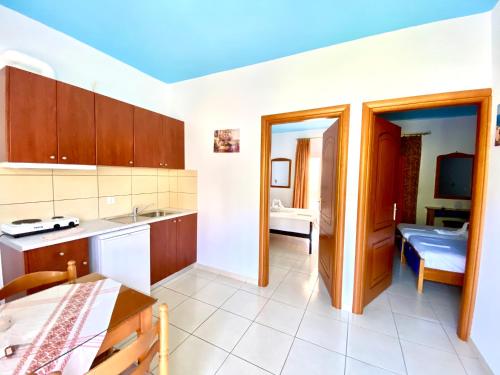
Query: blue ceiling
point(307, 125)
point(433, 113)
point(174, 40)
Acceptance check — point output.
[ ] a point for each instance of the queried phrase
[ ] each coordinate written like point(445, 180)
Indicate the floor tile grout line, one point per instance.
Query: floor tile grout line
point(451, 343)
point(399, 337)
point(297, 331)
point(251, 324)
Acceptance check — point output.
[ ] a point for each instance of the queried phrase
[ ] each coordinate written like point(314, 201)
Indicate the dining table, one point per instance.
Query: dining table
point(132, 314)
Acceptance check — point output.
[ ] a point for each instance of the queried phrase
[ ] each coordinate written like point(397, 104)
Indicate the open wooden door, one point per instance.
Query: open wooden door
point(327, 247)
point(381, 213)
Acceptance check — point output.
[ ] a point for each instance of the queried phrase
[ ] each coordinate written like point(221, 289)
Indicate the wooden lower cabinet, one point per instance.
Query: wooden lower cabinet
point(16, 263)
point(186, 240)
point(172, 246)
point(56, 257)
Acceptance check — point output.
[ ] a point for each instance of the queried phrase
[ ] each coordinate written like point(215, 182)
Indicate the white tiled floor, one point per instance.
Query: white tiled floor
point(224, 326)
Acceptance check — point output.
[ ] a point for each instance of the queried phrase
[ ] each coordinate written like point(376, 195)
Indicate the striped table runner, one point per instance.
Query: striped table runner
point(58, 329)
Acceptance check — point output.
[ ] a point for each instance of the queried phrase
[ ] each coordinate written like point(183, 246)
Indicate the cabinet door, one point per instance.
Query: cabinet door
point(186, 240)
point(148, 133)
point(115, 131)
point(173, 143)
point(32, 118)
point(56, 257)
point(75, 125)
point(163, 249)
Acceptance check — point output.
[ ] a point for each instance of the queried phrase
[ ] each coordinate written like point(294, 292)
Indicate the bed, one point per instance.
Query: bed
point(296, 222)
point(406, 231)
point(434, 256)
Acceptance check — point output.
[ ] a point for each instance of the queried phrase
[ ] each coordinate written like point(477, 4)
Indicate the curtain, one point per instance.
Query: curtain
point(300, 183)
point(411, 149)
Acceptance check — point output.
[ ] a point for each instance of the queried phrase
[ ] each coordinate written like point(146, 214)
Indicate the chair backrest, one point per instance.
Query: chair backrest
point(141, 351)
point(38, 279)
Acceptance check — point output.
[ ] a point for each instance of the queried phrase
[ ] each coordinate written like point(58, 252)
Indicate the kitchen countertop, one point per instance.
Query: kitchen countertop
point(90, 228)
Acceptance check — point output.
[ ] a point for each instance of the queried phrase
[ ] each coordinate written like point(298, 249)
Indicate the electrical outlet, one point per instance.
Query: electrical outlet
point(110, 200)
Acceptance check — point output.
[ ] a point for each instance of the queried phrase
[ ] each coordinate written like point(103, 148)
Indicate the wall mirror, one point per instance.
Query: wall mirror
point(454, 176)
point(280, 172)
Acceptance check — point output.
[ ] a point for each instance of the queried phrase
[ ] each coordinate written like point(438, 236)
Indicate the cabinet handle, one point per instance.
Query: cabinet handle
point(131, 162)
point(61, 254)
point(175, 221)
point(64, 158)
point(180, 220)
point(161, 164)
point(85, 263)
point(165, 164)
point(52, 157)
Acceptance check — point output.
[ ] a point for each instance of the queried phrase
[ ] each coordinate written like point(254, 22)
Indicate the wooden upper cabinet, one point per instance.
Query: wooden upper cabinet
point(148, 135)
point(76, 135)
point(115, 131)
point(29, 123)
point(173, 143)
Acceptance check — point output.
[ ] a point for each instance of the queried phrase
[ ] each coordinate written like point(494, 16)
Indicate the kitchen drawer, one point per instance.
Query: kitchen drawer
point(56, 257)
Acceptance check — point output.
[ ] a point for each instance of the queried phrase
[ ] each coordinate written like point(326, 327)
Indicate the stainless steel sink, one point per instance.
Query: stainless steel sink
point(157, 213)
point(128, 219)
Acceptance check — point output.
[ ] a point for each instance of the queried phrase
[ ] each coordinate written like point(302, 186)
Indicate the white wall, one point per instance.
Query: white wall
point(284, 145)
point(450, 134)
point(485, 329)
point(419, 60)
point(79, 64)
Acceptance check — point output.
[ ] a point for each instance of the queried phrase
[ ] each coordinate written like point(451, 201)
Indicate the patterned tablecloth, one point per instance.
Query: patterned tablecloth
point(58, 329)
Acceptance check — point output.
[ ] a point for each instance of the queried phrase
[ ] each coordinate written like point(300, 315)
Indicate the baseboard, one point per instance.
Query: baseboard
point(171, 277)
point(480, 357)
point(232, 275)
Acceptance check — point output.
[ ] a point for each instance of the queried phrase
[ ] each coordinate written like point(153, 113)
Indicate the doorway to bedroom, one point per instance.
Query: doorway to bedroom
point(421, 182)
point(303, 172)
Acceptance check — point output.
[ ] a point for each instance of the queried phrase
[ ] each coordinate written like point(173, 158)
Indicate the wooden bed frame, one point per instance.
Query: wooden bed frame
point(425, 273)
point(295, 234)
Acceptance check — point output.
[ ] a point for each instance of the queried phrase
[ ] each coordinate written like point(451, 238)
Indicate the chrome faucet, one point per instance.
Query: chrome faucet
point(136, 211)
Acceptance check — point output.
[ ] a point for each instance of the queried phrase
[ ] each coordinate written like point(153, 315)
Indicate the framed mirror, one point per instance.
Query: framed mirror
point(280, 172)
point(454, 176)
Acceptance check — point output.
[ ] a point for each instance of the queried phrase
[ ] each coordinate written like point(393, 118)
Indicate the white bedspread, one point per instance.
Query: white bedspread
point(295, 220)
point(445, 254)
point(410, 230)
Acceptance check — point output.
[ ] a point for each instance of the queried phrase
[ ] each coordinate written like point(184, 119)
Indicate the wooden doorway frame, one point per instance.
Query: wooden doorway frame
point(342, 113)
point(481, 98)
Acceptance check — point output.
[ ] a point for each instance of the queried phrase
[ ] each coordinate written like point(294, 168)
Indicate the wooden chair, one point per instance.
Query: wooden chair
point(136, 357)
point(38, 279)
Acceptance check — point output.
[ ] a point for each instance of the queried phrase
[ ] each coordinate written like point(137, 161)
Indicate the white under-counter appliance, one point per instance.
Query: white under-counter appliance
point(123, 255)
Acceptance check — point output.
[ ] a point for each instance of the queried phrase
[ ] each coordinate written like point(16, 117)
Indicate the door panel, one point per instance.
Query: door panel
point(327, 250)
point(381, 255)
point(32, 118)
point(173, 143)
point(186, 240)
point(163, 251)
point(381, 221)
point(148, 134)
point(115, 132)
point(75, 125)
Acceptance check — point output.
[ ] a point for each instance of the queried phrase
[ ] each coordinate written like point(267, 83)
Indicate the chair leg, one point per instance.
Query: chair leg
point(163, 352)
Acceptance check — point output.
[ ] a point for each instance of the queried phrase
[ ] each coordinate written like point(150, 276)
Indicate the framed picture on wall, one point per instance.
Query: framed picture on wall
point(227, 140)
point(497, 129)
